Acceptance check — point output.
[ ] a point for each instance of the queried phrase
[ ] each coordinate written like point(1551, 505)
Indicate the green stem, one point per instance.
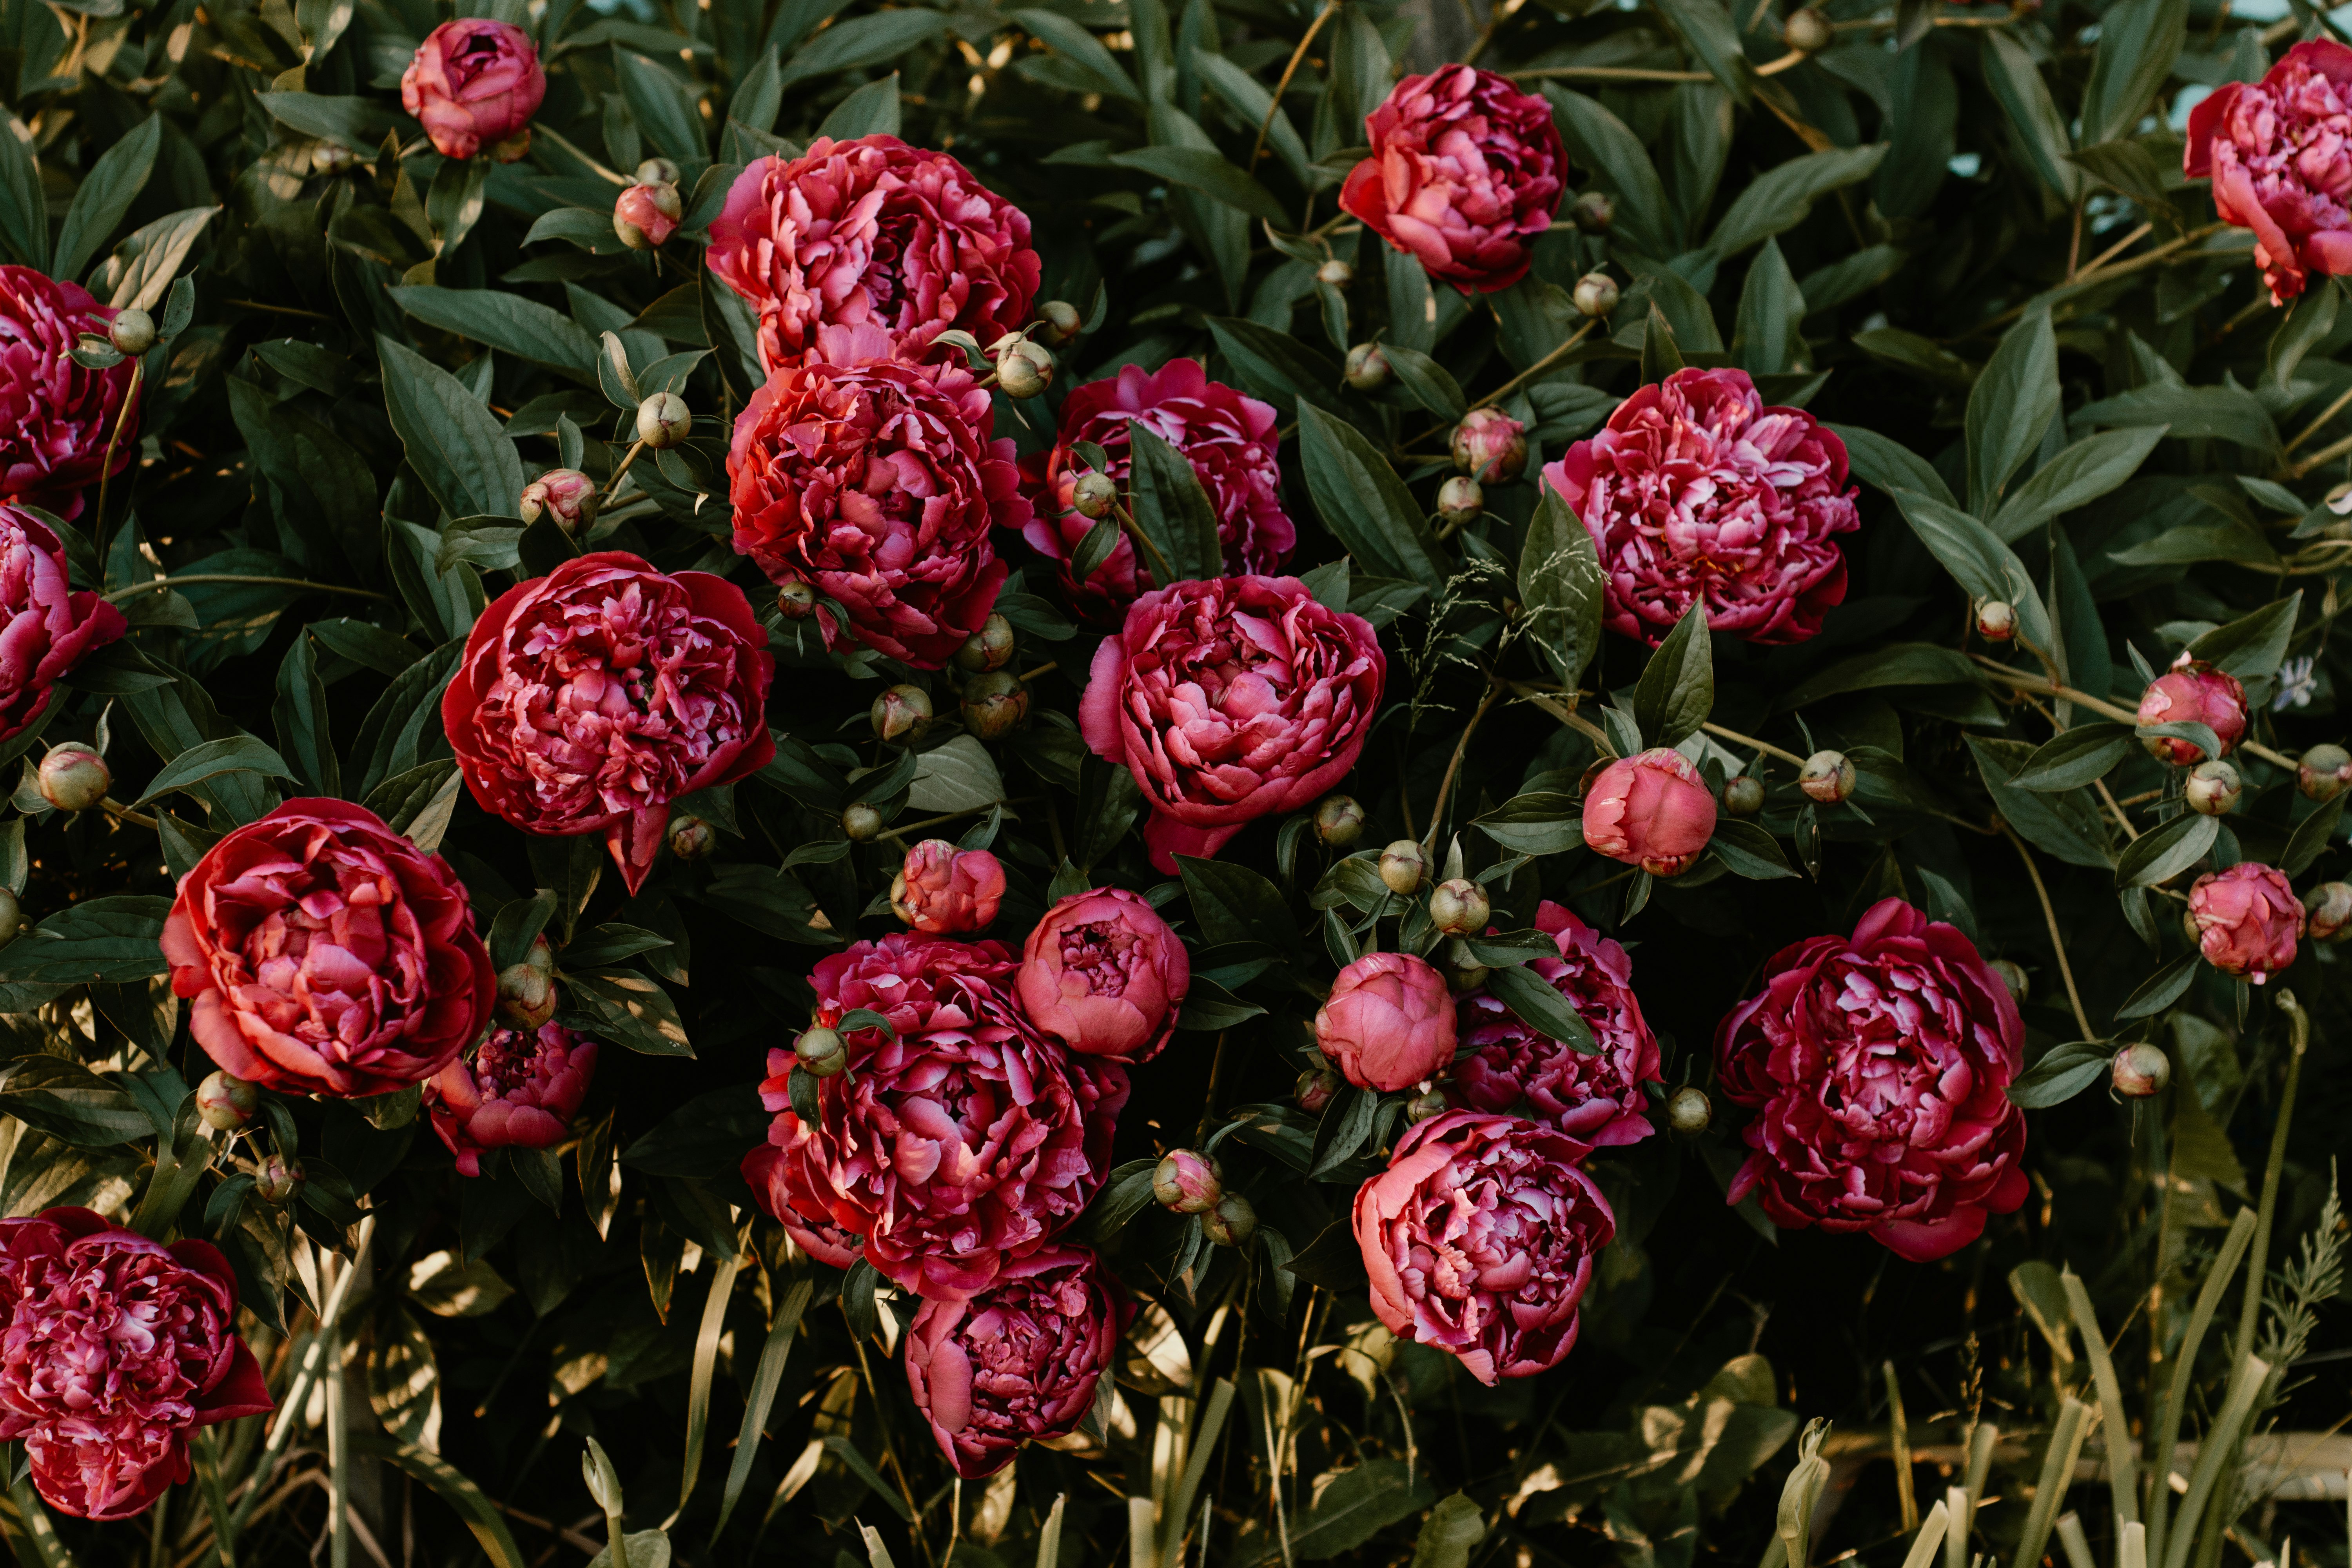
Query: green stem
point(2298, 1025)
point(121, 417)
point(148, 587)
point(297, 1393)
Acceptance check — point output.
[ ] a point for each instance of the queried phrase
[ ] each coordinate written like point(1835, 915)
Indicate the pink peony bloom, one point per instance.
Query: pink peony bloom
point(1465, 172)
point(1229, 700)
point(1017, 1362)
point(520, 1091)
point(1103, 974)
point(115, 1349)
point(1651, 810)
point(1479, 1238)
point(943, 889)
point(968, 1140)
point(46, 627)
point(591, 698)
point(1695, 490)
point(2193, 692)
point(2247, 919)
point(1490, 446)
point(1227, 437)
point(876, 481)
point(56, 417)
point(475, 83)
point(1388, 1022)
point(1595, 1097)
point(1879, 1067)
point(326, 954)
point(872, 231)
point(652, 210)
point(2277, 151)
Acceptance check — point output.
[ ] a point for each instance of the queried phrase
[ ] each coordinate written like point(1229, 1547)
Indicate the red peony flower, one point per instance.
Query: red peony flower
point(876, 481)
point(1465, 172)
point(1879, 1067)
point(116, 1348)
point(2247, 919)
point(1479, 1238)
point(1229, 700)
point(56, 417)
point(1595, 1098)
point(2193, 692)
point(872, 231)
point(46, 627)
point(942, 890)
point(1227, 437)
point(475, 83)
point(1103, 974)
point(967, 1141)
point(327, 954)
point(1017, 1362)
point(1695, 491)
point(591, 698)
point(520, 1091)
point(1388, 1022)
point(2279, 153)
point(1651, 810)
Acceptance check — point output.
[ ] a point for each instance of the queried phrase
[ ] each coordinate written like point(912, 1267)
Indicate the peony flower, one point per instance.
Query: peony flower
point(965, 1140)
point(1017, 1362)
point(872, 231)
point(327, 954)
point(1878, 1067)
point(520, 1091)
point(591, 698)
point(652, 211)
point(1651, 810)
point(943, 889)
point(1479, 1238)
point(1490, 446)
point(2193, 692)
point(2277, 151)
point(1695, 490)
point(1465, 172)
point(1229, 700)
point(877, 482)
point(1595, 1097)
point(116, 1348)
point(1103, 974)
point(2247, 919)
point(46, 627)
point(1388, 1022)
point(56, 417)
point(1227, 437)
point(475, 82)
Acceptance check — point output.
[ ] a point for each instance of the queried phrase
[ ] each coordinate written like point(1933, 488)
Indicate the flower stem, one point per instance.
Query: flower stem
point(1767, 747)
point(298, 1395)
point(2057, 937)
point(121, 417)
point(1273, 106)
point(1567, 715)
point(1134, 530)
point(1445, 785)
point(2048, 688)
point(902, 831)
point(138, 588)
point(2298, 1025)
point(613, 483)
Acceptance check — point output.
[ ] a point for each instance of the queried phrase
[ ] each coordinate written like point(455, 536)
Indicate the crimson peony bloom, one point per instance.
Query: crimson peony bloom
point(1227, 437)
point(1017, 1362)
point(1651, 810)
point(2247, 919)
point(968, 1140)
point(1229, 700)
point(2193, 692)
point(943, 889)
point(1388, 1022)
point(1879, 1067)
point(1479, 1238)
point(591, 698)
point(2279, 153)
point(1103, 974)
point(327, 954)
point(1695, 490)
point(872, 231)
point(876, 481)
point(1465, 172)
point(1596, 1099)
point(46, 627)
point(475, 82)
point(116, 1348)
point(56, 417)
point(520, 1091)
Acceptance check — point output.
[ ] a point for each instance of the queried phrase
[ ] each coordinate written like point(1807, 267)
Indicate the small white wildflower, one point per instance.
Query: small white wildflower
point(2298, 681)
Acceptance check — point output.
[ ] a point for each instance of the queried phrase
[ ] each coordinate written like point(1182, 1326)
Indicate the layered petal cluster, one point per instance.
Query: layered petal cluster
point(324, 954)
point(590, 698)
point(1388, 1022)
point(2247, 919)
point(1878, 1066)
point(1696, 492)
point(2279, 153)
point(520, 1091)
point(474, 83)
point(2193, 692)
point(1510, 1068)
point(46, 627)
point(941, 888)
point(55, 416)
point(1651, 810)
point(1104, 974)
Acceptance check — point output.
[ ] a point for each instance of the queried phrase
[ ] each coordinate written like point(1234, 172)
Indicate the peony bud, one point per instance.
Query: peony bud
point(664, 420)
point(278, 1178)
point(74, 778)
point(796, 601)
point(691, 838)
point(1827, 777)
point(2012, 976)
point(1742, 796)
point(821, 1050)
point(2329, 911)
point(903, 712)
point(226, 1102)
point(1338, 821)
point(1186, 1181)
point(2323, 772)
point(1596, 295)
point(1652, 809)
point(1024, 369)
point(1808, 31)
point(1367, 367)
point(1426, 1106)
point(1316, 1088)
point(1335, 272)
point(1063, 322)
point(1996, 619)
point(540, 957)
point(1094, 495)
point(1403, 866)
point(1464, 973)
point(568, 493)
point(646, 216)
point(2139, 1071)
point(1592, 213)
point(1460, 501)
point(2193, 692)
point(1230, 1223)
point(1490, 446)
point(2211, 789)
point(11, 917)
point(526, 997)
point(656, 171)
point(861, 822)
point(1458, 907)
point(131, 332)
point(1689, 1110)
point(994, 703)
point(991, 647)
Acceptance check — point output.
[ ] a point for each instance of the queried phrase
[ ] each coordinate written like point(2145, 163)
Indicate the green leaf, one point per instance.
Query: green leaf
point(2078, 475)
point(2162, 989)
point(2138, 42)
point(1233, 903)
point(667, 109)
point(1899, 663)
point(2064, 1072)
point(1427, 381)
point(2253, 646)
point(1599, 141)
point(2192, 542)
point(301, 716)
point(1208, 172)
point(24, 210)
point(1661, 354)
point(2228, 412)
point(1562, 589)
point(2131, 169)
point(761, 1397)
point(1539, 823)
point(358, 124)
point(419, 803)
point(1360, 1502)
point(1706, 29)
point(504, 322)
point(2062, 824)
point(104, 199)
point(1083, 51)
point(234, 755)
point(71, 1103)
point(628, 1009)
point(1541, 1007)
point(1210, 1007)
point(863, 41)
point(142, 267)
point(1276, 366)
point(871, 111)
point(1979, 562)
point(1452, 1530)
point(2035, 123)
point(1779, 198)
point(450, 1484)
point(2164, 853)
point(1771, 308)
point(589, 230)
point(1249, 100)
point(1678, 687)
point(1362, 501)
point(1332, 1260)
point(455, 444)
point(1171, 507)
point(2073, 758)
point(1747, 850)
point(2010, 406)
point(2311, 838)
point(1889, 465)
point(2306, 324)
point(958, 775)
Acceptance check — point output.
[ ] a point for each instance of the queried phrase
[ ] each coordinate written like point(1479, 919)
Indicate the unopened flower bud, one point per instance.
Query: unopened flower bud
point(1489, 446)
point(1742, 796)
point(540, 957)
point(568, 493)
point(994, 703)
point(1316, 1088)
point(1230, 1223)
point(1593, 212)
point(131, 331)
point(1024, 369)
point(1338, 821)
point(1094, 495)
point(901, 713)
point(2012, 976)
point(1367, 367)
point(74, 778)
point(861, 823)
point(1428, 1105)
point(1458, 907)
point(691, 838)
point(1403, 866)
point(526, 995)
point(2328, 910)
point(1460, 501)
point(821, 1050)
point(278, 1178)
point(796, 601)
point(1464, 973)
point(1688, 1109)
point(991, 647)
point(1808, 31)
point(2139, 1071)
point(1996, 620)
point(1063, 322)
point(604, 1482)
point(656, 171)
point(2323, 772)
point(1596, 294)
point(1827, 777)
point(646, 216)
point(2212, 789)
point(664, 420)
point(1336, 272)
point(1186, 1181)
point(226, 1102)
